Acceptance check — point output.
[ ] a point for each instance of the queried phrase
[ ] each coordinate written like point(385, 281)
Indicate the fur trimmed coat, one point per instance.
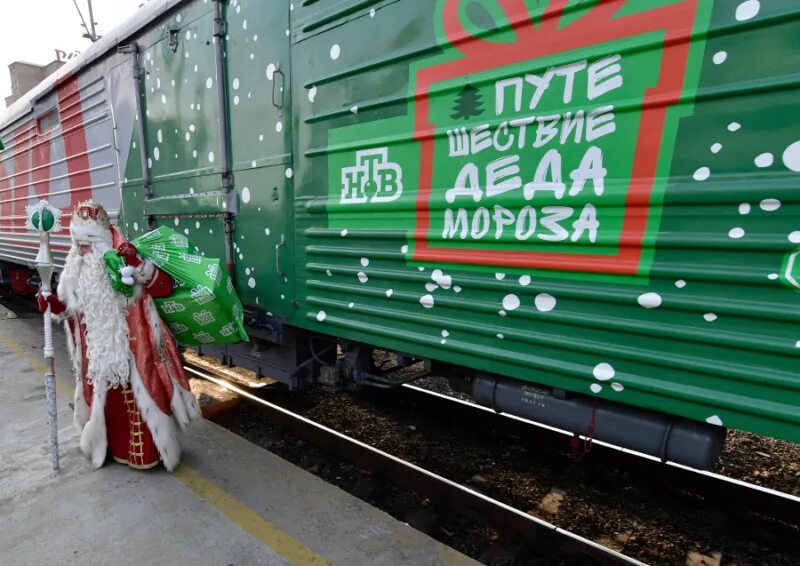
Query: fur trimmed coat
point(137, 415)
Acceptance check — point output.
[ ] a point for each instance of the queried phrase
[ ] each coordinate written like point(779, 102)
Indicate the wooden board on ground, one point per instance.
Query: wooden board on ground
point(237, 375)
point(212, 398)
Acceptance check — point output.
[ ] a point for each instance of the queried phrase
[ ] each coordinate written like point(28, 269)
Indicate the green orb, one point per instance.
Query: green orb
point(44, 221)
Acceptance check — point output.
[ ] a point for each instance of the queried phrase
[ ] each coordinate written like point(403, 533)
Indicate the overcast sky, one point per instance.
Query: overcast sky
point(31, 30)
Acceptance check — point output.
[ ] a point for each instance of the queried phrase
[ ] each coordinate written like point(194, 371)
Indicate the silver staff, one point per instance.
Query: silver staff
point(45, 219)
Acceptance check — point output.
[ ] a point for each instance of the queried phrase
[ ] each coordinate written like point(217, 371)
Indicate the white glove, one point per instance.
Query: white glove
point(127, 274)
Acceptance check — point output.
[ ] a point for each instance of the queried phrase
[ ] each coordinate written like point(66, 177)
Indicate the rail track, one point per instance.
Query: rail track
point(706, 488)
point(553, 540)
point(714, 489)
point(733, 496)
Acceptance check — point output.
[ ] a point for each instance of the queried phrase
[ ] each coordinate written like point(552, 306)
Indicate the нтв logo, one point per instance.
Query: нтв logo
point(202, 294)
point(372, 179)
point(172, 307)
point(179, 241)
point(191, 258)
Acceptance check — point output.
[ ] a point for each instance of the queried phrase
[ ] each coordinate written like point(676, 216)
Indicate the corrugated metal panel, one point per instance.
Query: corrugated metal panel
point(183, 146)
point(71, 161)
point(181, 128)
point(681, 297)
point(676, 290)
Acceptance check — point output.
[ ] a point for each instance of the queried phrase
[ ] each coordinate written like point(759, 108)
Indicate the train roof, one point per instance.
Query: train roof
point(150, 11)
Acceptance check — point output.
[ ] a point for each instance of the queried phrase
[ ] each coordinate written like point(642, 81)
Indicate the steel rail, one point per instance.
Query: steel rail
point(715, 489)
point(552, 540)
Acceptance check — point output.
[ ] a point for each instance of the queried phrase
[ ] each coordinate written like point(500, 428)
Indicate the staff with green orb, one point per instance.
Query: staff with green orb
point(45, 218)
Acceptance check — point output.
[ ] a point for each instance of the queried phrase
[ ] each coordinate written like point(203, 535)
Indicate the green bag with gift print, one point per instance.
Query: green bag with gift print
point(203, 308)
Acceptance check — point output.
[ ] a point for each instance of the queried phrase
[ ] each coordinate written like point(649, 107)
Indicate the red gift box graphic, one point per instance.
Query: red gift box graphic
point(589, 52)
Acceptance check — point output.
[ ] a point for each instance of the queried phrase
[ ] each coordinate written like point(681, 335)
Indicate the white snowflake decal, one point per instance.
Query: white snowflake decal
point(230, 286)
point(172, 307)
point(203, 318)
point(227, 330)
point(150, 235)
point(191, 258)
point(202, 294)
point(203, 337)
point(159, 246)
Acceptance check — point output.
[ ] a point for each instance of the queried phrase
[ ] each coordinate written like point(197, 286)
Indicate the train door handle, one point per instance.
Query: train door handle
point(278, 247)
point(278, 93)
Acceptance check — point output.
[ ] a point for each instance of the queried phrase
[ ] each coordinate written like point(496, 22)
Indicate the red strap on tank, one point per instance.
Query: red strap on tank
point(579, 451)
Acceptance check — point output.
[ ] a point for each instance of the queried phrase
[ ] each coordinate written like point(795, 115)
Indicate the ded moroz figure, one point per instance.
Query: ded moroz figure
point(131, 394)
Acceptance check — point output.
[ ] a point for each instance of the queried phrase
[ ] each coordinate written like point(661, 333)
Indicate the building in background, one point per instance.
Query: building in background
point(25, 76)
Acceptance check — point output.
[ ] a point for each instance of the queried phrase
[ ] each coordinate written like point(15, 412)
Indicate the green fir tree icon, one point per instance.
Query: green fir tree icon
point(468, 104)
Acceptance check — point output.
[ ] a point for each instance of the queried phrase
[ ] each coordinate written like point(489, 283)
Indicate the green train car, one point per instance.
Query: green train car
point(588, 208)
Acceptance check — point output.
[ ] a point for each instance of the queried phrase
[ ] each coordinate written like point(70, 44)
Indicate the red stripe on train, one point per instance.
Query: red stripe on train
point(30, 180)
point(74, 144)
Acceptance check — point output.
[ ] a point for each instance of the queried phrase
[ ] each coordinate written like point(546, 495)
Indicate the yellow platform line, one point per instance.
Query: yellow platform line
point(283, 544)
point(287, 547)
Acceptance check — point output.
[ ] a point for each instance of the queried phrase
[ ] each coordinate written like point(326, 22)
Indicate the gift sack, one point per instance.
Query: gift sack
point(113, 265)
point(203, 308)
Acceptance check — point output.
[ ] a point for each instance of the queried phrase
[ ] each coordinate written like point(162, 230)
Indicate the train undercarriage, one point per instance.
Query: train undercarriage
point(299, 359)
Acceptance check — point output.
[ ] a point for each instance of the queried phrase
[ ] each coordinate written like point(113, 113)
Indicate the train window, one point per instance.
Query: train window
point(48, 121)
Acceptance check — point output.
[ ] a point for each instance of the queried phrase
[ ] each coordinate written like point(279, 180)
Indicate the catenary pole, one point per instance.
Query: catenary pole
point(93, 33)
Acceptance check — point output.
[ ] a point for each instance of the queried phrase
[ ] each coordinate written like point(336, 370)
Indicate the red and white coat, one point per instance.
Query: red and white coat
point(160, 390)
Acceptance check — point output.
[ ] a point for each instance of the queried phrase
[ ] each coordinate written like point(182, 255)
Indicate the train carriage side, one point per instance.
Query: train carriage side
point(70, 139)
point(589, 207)
point(213, 159)
point(599, 198)
point(59, 146)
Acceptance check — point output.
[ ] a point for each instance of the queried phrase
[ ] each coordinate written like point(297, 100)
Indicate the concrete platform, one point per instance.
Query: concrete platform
point(229, 503)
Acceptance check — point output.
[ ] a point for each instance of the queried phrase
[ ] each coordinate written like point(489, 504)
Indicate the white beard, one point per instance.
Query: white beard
point(85, 289)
